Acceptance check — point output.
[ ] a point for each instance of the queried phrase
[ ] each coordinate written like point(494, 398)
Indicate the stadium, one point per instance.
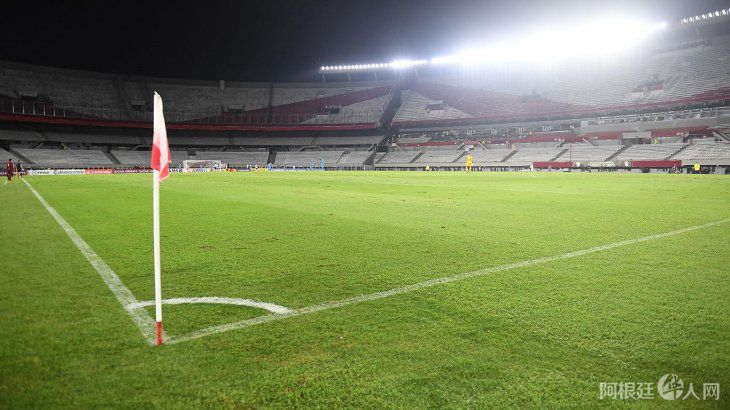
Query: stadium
point(540, 220)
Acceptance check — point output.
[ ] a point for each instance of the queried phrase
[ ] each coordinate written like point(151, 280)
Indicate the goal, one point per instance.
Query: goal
point(203, 165)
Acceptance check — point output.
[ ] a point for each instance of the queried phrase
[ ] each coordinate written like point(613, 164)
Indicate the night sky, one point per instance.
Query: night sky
point(251, 40)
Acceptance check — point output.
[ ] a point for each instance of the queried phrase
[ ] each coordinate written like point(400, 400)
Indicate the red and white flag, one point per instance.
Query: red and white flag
point(160, 150)
point(160, 163)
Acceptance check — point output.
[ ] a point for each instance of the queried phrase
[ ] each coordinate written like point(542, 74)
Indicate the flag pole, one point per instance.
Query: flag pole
point(156, 234)
point(160, 164)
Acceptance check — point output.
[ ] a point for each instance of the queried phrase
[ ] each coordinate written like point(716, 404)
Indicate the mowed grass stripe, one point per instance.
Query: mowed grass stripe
point(533, 337)
point(430, 283)
point(144, 321)
point(297, 239)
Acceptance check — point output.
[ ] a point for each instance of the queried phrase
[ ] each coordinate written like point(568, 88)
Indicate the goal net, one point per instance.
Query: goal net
point(203, 165)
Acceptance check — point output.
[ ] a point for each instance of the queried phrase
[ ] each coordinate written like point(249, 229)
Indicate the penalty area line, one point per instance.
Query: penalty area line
point(429, 283)
point(141, 318)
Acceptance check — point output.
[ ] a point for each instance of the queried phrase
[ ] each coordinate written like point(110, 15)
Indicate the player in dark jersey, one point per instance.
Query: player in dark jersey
point(19, 169)
point(10, 169)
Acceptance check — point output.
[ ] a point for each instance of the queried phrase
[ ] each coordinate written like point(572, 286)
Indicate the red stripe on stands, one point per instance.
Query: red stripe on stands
point(657, 164)
point(562, 164)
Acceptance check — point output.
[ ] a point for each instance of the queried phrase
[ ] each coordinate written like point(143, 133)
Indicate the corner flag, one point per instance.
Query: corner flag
point(160, 164)
point(160, 150)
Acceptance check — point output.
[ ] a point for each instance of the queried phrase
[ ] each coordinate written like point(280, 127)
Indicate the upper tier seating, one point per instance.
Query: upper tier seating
point(413, 108)
point(414, 140)
point(110, 96)
point(503, 92)
point(363, 112)
point(348, 140)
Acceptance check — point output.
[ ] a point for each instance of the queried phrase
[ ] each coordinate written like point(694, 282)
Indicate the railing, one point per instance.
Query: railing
point(47, 109)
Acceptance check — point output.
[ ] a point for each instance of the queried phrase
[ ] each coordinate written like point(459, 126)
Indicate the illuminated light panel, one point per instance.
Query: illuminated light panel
point(395, 64)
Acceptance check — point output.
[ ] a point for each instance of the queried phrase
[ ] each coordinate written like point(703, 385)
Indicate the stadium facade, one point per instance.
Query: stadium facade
point(662, 106)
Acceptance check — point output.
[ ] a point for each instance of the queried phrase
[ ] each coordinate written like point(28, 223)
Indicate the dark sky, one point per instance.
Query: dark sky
point(252, 40)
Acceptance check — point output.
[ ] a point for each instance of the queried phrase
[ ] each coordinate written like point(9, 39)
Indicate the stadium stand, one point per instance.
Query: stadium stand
point(367, 111)
point(705, 152)
point(527, 156)
point(20, 135)
point(66, 158)
point(236, 159)
point(489, 156)
point(132, 158)
point(509, 115)
point(649, 151)
point(347, 140)
point(414, 109)
point(693, 74)
point(142, 158)
point(414, 140)
point(355, 158)
point(396, 157)
point(5, 156)
point(89, 138)
point(451, 146)
point(438, 157)
point(587, 152)
point(307, 158)
point(71, 93)
point(302, 141)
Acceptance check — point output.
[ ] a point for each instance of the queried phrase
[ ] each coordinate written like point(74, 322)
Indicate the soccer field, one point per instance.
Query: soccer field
point(383, 289)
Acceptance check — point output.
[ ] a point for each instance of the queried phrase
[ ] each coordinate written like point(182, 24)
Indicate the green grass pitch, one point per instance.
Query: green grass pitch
point(542, 335)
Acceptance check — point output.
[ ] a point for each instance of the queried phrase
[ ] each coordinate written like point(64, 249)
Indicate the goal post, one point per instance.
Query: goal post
point(203, 165)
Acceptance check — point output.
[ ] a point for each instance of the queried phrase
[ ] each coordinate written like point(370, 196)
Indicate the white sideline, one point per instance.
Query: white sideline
point(429, 283)
point(140, 317)
point(215, 300)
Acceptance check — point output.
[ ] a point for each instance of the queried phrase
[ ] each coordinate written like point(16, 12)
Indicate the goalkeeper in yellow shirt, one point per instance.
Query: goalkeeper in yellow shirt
point(469, 161)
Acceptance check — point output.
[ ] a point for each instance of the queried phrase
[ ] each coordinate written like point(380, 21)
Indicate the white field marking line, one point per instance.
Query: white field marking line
point(5, 183)
point(429, 283)
point(140, 317)
point(215, 300)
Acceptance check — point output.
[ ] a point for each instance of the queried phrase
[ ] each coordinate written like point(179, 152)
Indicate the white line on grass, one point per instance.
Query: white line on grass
point(429, 283)
point(215, 300)
point(140, 317)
